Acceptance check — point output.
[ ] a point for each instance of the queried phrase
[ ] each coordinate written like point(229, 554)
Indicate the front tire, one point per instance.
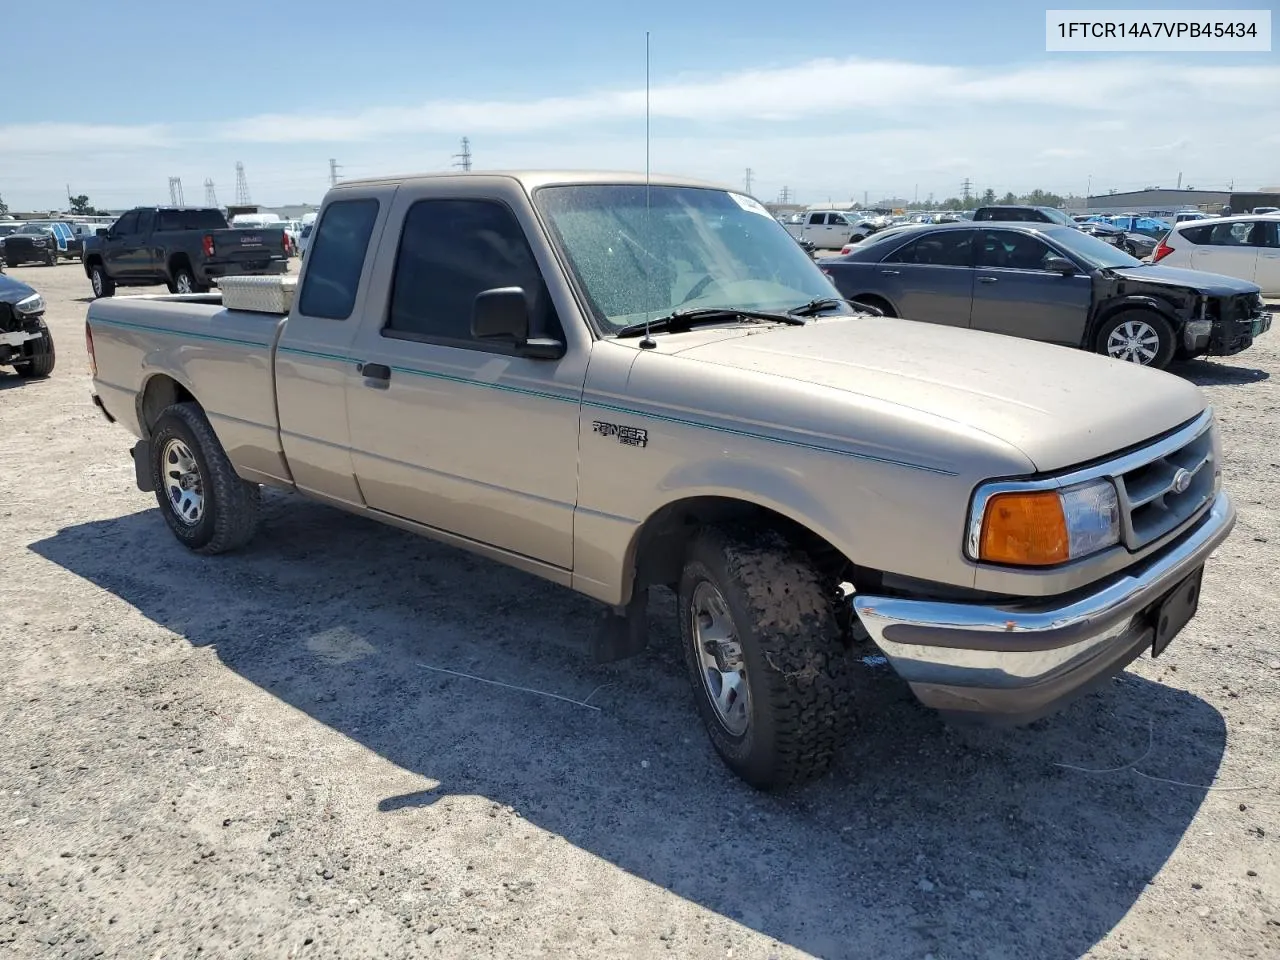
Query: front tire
point(771, 677)
point(1137, 336)
point(42, 356)
point(209, 508)
point(103, 285)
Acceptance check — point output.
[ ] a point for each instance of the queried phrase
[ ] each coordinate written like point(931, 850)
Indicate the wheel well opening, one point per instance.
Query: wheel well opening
point(160, 393)
point(871, 300)
point(659, 550)
point(179, 260)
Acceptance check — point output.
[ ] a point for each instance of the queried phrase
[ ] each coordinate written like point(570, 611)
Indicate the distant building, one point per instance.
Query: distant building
point(1164, 203)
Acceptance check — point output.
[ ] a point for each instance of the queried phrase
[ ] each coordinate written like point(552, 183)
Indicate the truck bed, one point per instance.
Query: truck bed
point(225, 357)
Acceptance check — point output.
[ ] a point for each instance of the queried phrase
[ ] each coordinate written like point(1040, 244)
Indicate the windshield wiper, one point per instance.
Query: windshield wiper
point(814, 307)
point(679, 320)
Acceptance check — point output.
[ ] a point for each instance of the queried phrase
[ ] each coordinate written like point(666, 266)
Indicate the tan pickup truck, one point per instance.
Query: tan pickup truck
point(618, 385)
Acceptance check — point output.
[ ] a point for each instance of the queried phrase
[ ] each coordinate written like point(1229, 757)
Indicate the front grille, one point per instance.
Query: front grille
point(1151, 504)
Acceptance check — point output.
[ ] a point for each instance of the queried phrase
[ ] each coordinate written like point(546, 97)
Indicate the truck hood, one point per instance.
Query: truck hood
point(1058, 406)
point(1187, 279)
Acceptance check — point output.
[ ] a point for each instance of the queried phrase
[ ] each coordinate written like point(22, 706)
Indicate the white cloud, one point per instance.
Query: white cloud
point(824, 125)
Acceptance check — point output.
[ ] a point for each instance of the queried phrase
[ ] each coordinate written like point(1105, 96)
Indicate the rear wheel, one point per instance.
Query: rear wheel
point(184, 281)
point(209, 508)
point(103, 286)
point(1137, 336)
point(42, 356)
point(770, 674)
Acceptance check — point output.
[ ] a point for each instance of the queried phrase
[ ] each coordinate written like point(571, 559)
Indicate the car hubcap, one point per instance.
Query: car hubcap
point(183, 283)
point(97, 283)
point(723, 669)
point(1134, 341)
point(182, 483)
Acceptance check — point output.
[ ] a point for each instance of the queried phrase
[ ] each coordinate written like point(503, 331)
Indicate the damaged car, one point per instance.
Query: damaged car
point(1053, 283)
point(25, 341)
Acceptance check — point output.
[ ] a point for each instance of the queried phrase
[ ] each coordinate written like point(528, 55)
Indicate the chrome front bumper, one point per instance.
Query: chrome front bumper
point(1019, 661)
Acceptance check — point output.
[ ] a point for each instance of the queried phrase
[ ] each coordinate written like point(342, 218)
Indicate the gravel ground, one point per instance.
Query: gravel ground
point(256, 755)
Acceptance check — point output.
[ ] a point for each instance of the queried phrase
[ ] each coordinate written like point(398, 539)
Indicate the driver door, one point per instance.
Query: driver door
point(464, 435)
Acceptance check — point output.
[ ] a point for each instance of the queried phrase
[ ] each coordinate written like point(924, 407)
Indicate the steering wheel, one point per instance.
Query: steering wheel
point(698, 288)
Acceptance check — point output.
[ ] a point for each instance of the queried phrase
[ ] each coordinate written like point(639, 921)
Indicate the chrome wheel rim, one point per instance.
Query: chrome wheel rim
point(183, 486)
point(719, 657)
point(1135, 341)
point(183, 283)
point(97, 283)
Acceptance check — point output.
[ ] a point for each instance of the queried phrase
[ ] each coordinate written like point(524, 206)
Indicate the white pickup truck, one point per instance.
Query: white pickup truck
point(831, 229)
point(617, 385)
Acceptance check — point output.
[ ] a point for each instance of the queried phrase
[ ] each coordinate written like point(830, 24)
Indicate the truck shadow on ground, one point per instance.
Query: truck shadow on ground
point(927, 838)
point(1217, 373)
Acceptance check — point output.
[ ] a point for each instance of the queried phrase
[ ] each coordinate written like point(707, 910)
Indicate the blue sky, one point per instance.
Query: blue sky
point(830, 100)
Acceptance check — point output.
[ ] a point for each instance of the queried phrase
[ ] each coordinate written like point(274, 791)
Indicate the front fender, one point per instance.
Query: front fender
point(1141, 301)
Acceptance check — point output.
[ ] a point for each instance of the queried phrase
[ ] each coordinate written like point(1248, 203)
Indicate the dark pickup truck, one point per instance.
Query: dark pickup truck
point(187, 248)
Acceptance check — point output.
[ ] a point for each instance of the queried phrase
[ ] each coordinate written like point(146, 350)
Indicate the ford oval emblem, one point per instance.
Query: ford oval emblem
point(1181, 480)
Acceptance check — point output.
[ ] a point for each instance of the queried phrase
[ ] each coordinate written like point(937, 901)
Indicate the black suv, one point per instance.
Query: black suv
point(1024, 214)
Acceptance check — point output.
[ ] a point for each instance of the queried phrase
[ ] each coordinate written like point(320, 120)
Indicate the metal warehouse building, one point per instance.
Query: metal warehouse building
point(1166, 202)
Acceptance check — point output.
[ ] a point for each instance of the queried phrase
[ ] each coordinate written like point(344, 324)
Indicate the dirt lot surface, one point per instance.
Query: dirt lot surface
point(248, 755)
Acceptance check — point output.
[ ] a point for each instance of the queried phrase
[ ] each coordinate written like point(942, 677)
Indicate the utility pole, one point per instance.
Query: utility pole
point(464, 158)
point(210, 194)
point(1088, 188)
point(1179, 179)
point(242, 187)
point(334, 167)
point(746, 181)
point(865, 194)
point(175, 192)
point(967, 188)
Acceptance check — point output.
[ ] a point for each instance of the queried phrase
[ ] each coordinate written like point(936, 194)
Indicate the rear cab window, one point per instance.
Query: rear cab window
point(335, 259)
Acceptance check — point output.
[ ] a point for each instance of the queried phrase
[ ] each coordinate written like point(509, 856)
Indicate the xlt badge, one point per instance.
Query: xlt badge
point(631, 436)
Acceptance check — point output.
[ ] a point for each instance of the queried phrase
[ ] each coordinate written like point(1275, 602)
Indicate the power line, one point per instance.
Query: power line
point(464, 158)
point(242, 187)
point(210, 194)
point(334, 167)
point(175, 192)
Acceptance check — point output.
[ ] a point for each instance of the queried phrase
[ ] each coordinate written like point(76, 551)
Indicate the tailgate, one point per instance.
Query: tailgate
point(248, 244)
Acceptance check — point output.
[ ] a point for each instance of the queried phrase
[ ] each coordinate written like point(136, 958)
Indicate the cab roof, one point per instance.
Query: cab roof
point(532, 179)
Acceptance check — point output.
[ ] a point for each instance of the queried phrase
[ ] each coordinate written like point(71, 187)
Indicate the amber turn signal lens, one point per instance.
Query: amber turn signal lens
point(1025, 528)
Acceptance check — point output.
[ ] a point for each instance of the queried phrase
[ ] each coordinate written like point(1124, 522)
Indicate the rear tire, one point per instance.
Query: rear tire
point(1137, 336)
point(184, 281)
point(750, 596)
point(42, 356)
point(209, 508)
point(103, 285)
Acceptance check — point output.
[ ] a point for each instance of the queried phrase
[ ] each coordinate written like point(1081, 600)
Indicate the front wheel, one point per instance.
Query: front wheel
point(103, 285)
point(770, 675)
point(42, 357)
point(209, 508)
point(1137, 336)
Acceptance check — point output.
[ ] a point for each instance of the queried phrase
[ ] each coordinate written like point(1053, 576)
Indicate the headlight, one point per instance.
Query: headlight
point(1035, 526)
point(30, 305)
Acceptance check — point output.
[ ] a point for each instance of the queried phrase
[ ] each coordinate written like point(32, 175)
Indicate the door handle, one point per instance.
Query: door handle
point(374, 371)
point(986, 279)
point(890, 273)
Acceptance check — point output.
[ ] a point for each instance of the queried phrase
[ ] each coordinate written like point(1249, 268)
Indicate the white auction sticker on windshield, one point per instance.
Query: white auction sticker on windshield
point(750, 205)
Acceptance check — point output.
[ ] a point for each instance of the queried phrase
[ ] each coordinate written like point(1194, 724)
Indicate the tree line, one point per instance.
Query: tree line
point(1036, 198)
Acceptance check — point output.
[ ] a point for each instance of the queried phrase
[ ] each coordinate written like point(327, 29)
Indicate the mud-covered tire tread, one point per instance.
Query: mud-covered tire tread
point(232, 504)
point(43, 356)
point(801, 674)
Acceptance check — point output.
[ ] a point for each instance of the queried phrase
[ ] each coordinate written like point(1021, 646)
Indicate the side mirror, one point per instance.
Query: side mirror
point(503, 314)
point(1060, 265)
point(101, 232)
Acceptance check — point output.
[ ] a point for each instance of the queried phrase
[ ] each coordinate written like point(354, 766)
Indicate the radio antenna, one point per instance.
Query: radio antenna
point(648, 342)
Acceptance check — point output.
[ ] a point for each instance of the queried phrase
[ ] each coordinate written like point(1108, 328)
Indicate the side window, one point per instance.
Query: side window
point(169, 220)
point(127, 224)
point(817, 219)
point(1197, 235)
point(146, 221)
point(336, 258)
point(1012, 250)
point(838, 220)
point(1232, 234)
point(1270, 234)
point(451, 250)
point(949, 248)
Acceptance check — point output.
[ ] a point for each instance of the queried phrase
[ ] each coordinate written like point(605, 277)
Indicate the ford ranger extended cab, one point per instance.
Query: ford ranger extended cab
point(618, 385)
point(187, 248)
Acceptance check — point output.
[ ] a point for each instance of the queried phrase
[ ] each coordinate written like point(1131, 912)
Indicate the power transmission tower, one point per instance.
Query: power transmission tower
point(464, 158)
point(334, 167)
point(746, 181)
point(210, 194)
point(967, 188)
point(785, 196)
point(242, 187)
point(175, 192)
